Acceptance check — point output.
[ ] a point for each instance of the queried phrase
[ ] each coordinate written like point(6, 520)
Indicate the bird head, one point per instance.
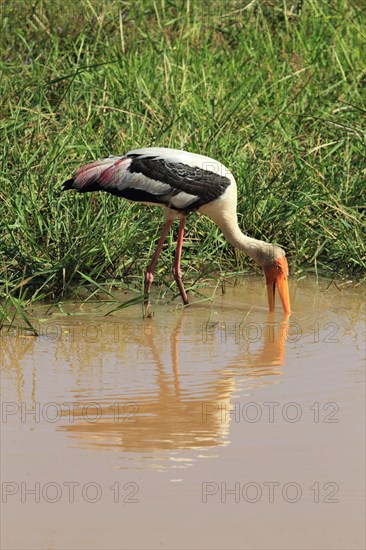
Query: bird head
point(276, 276)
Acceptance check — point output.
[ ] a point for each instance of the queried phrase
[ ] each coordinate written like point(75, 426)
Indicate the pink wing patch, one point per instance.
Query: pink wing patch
point(111, 176)
point(106, 172)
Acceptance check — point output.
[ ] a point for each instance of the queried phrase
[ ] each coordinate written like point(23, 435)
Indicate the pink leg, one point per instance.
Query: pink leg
point(176, 265)
point(149, 277)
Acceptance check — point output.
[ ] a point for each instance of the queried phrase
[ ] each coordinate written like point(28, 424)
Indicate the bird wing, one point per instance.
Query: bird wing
point(178, 179)
point(189, 184)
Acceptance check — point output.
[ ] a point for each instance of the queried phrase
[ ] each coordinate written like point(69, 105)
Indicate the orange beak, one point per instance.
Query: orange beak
point(276, 275)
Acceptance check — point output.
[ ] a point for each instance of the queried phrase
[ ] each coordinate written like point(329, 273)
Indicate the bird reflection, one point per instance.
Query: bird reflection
point(184, 410)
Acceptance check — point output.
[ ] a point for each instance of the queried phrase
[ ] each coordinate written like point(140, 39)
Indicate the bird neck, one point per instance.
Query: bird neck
point(253, 248)
point(261, 252)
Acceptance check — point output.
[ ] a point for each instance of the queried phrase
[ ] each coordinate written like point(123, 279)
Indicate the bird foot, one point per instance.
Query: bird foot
point(149, 314)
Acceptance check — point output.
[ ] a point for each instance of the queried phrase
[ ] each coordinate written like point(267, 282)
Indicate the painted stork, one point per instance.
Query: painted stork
point(182, 182)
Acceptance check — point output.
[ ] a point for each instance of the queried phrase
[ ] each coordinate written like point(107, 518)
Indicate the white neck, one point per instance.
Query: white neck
point(261, 252)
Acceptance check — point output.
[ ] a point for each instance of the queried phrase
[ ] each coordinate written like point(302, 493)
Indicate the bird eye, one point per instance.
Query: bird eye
point(278, 267)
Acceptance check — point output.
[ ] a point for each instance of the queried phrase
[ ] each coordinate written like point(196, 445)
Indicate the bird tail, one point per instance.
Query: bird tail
point(101, 175)
point(69, 184)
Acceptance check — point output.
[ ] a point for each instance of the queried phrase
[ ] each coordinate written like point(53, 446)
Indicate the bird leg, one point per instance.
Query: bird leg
point(149, 277)
point(176, 265)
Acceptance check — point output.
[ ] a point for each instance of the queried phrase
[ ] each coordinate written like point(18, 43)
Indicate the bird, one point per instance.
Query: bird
point(182, 182)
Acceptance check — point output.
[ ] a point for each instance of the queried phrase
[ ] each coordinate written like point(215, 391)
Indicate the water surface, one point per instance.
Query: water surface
point(212, 426)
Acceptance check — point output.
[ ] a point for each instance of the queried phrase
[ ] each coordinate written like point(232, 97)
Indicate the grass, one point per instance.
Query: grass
point(274, 92)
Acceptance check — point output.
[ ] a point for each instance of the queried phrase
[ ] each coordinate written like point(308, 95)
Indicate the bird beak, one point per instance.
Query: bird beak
point(276, 275)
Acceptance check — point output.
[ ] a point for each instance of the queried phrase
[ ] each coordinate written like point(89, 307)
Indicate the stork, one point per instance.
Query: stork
point(181, 182)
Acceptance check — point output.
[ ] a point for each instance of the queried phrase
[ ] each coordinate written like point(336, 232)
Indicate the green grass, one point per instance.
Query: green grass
point(278, 96)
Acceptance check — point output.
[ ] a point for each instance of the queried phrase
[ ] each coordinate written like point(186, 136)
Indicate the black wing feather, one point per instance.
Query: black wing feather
point(206, 185)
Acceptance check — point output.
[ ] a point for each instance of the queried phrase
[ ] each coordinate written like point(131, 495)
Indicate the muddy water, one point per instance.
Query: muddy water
point(214, 426)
